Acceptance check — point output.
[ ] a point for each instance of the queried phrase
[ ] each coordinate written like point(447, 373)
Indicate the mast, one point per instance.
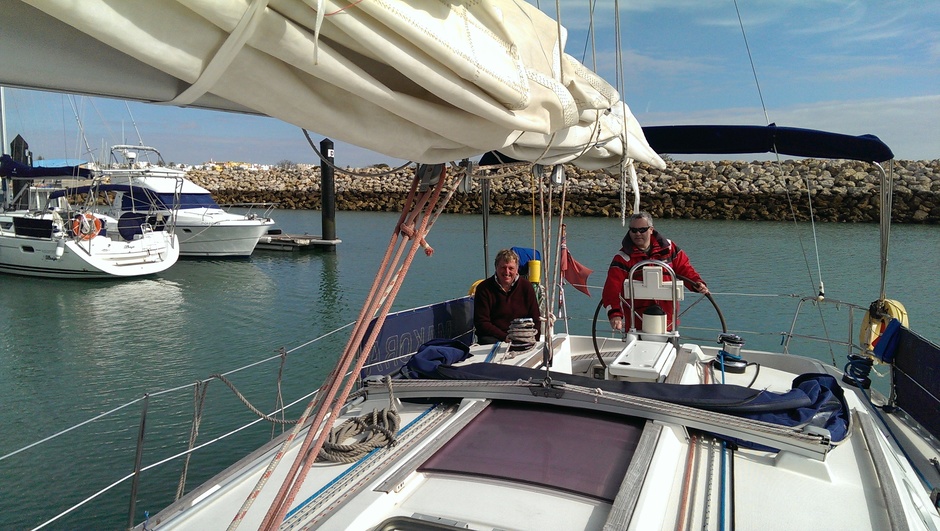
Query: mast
point(4, 148)
point(6, 186)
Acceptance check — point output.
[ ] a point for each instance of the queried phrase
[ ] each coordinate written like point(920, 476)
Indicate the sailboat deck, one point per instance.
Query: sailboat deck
point(465, 458)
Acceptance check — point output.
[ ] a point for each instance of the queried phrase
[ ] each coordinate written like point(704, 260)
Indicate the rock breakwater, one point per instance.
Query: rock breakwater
point(841, 191)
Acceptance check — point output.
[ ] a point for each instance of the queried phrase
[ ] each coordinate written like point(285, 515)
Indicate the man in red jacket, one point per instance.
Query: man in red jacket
point(642, 242)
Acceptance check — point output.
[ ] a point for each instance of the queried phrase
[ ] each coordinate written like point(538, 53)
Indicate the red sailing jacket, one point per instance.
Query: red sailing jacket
point(660, 249)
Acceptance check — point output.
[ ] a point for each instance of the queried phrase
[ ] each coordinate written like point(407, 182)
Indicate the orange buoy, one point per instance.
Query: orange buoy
point(86, 226)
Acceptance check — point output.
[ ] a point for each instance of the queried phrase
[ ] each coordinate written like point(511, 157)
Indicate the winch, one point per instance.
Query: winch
point(729, 357)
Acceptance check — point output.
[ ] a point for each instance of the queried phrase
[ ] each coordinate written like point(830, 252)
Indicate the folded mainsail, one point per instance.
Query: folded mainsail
point(424, 80)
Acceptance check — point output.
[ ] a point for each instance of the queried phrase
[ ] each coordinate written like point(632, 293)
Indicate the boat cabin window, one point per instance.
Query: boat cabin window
point(577, 451)
point(32, 227)
point(189, 201)
point(142, 200)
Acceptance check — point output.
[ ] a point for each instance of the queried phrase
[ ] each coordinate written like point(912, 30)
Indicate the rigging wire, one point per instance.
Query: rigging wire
point(593, 40)
point(81, 126)
point(534, 183)
point(887, 205)
point(140, 139)
point(547, 208)
point(589, 38)
point(560, 51)
point(809, 197)
point(347, 172)
point(626, 165)
point(751, 59)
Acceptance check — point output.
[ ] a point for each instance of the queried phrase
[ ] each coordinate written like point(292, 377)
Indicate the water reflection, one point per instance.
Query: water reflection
point(332, 306)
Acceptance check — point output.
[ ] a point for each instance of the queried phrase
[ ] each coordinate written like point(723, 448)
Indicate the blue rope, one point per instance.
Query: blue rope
point(492, 354)
point(722, 498)
point(722, 354)
point(859, 368)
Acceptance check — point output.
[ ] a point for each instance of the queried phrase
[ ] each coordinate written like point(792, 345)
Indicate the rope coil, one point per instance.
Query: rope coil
point(381, 426)
point(522, 332)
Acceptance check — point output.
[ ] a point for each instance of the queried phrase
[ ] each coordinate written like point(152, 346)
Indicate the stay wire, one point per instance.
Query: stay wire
point(750, 58)
point(589, 38)
point(809, 197)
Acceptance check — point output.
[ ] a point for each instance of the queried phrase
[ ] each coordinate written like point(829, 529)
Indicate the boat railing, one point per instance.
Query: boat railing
point(851, 346)
point(148, 403)
point(268, 207)
point(156, 406)
point(794, 324)
point(814, 330)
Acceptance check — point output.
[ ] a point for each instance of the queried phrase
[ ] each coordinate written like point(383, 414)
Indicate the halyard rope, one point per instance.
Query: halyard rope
point(331, 398)
point(387, 283)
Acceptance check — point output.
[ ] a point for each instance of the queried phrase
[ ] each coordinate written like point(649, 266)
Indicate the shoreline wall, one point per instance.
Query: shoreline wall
point(841, 191)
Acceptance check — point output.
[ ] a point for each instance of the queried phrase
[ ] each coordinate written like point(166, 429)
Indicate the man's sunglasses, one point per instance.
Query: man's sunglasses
point(640, 230)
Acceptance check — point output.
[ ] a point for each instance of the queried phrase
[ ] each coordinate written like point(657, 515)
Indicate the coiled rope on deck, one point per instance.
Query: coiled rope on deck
point(381, 426)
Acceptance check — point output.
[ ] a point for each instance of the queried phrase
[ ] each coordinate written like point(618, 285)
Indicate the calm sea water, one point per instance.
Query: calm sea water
point(72, 350)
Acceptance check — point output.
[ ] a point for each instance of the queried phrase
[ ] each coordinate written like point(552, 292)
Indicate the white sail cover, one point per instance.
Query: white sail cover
point(424, 80)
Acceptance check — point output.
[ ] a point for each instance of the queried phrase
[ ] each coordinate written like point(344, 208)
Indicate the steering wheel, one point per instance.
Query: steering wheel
point(597, 351)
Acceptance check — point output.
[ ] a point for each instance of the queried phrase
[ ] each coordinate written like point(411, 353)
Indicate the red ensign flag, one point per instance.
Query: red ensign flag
point(575, 273)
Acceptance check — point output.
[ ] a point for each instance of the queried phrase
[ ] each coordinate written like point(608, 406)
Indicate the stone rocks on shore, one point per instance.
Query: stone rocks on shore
point(844, 191)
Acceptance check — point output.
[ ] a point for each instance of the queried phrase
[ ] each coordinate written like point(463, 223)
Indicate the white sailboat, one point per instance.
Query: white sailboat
point(643, 431)
point(42, 234)
point(647, 430)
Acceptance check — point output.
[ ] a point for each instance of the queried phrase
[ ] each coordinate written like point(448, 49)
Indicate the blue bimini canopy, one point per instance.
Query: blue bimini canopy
point(18, 170)
point(739, 139)
point(97, 188)
point(729, 139)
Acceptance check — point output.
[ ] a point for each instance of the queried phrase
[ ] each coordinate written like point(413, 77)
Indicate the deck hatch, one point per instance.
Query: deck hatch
point(573, 450)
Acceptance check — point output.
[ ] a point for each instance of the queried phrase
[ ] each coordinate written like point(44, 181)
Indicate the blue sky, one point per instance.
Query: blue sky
point(853, 67)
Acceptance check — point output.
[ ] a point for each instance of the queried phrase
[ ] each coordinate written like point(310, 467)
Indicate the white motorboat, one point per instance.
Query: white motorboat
point(51, 237)
point(203, 227)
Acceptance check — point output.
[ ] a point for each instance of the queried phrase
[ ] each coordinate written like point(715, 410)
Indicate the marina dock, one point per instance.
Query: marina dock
point(276, 241)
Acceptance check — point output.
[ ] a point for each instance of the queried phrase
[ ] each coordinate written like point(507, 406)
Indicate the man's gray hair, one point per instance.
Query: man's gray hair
point(643, 215)
point(506, 255)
